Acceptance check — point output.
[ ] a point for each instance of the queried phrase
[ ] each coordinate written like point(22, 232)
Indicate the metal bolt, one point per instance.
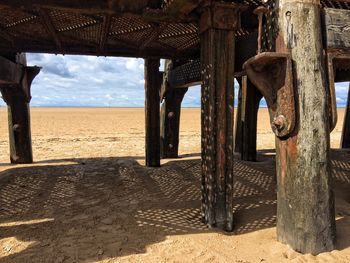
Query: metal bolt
point(279, 122)
point(260, 11)
point(171, 114)
point(16, 127)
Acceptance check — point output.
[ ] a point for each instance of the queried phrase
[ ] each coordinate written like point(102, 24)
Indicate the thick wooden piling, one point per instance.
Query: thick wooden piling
point(247, 120)
point(217, 64)
point(305, 202)
point(152, 112)
point(16, 94)
point(345, 138)
point(170, 122)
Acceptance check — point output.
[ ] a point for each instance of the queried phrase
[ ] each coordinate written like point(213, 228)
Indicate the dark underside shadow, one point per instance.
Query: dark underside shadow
point(92, 209)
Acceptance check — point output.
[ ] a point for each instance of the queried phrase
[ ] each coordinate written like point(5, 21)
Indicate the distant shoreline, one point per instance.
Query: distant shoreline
point(123, 107)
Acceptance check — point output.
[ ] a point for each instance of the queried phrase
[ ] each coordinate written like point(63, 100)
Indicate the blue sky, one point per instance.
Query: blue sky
point(101, 82)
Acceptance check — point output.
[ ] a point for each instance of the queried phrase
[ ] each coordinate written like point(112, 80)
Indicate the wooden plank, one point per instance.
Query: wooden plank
point(336, 24)
point(305, 202)
point(345, 138)
point(152, 112)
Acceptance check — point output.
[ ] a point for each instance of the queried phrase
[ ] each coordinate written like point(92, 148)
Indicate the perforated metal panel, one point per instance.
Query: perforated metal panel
point(75, 32)
point(185, 74)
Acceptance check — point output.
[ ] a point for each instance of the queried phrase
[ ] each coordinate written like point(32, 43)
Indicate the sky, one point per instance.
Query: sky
point(87, 81)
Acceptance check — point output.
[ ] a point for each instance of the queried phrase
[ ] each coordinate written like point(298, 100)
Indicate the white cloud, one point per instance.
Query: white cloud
point(103, 81)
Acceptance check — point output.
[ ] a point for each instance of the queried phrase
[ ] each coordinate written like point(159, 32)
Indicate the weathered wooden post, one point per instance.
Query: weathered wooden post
point(152, 114)
point(15, 83)
point(247, 120)
point(305, 210)
point(170, 122)
point(345, 138)
point(217, 35)
point(293, 82)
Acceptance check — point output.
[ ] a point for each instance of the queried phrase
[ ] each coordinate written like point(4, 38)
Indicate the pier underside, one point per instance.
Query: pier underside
point(290, 52)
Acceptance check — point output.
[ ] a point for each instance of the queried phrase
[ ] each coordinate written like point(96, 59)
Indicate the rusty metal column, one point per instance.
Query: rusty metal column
point(217, 33)
point(170, 122)
point(152, 112)
point(345, 138)
point(247, 120)
point(16, 94)
point(305, 210)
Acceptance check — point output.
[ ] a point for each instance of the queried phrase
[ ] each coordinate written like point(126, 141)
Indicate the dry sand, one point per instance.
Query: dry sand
point(89, 198)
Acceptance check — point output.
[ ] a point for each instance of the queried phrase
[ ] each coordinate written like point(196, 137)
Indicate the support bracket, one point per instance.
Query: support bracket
point(272, 74)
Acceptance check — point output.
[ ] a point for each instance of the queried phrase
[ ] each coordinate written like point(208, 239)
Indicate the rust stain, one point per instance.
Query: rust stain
point(292, 147)
point(283, 161)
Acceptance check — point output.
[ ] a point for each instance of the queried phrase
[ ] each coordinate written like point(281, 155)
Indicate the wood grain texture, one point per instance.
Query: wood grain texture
point(305, 201)
point(336, 28)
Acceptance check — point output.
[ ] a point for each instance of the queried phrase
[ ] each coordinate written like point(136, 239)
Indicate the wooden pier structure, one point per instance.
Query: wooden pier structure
point(291, 52)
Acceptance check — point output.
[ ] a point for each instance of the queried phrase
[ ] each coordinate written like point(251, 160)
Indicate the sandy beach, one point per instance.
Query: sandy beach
point(89, 198)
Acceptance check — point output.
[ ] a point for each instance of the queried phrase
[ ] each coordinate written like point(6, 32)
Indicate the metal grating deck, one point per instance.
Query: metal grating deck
point(73, 31)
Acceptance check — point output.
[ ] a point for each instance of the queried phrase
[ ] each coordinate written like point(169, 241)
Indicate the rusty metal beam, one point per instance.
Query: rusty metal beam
point(152, 103)
point(176, 10)
point(88, 6)
point(104, 32)
point(10, 72)
point(15, 89)
point(50, 28)
point(7, 37)
point(116, 51)
point(345, 138)
point(155, 34)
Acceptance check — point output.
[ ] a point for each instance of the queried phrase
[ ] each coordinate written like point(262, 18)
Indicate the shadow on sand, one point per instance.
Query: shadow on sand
point(78, 210)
